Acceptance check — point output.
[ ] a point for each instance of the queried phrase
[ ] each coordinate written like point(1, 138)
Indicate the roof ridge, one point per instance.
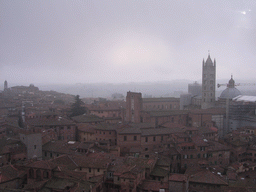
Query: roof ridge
point(73, 161)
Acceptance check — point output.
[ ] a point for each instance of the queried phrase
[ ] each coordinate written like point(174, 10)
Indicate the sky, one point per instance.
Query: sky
point(119, 41)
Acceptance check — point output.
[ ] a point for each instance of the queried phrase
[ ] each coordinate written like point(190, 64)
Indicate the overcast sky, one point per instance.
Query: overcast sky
point(119, 41)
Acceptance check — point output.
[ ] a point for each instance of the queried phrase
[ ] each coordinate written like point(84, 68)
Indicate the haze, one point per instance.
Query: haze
point(58, 41)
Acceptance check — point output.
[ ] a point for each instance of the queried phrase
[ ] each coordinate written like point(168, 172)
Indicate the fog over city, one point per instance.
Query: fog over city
point(81, 42)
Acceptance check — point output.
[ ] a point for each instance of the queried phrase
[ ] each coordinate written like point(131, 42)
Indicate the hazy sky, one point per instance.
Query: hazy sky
point(84, 41)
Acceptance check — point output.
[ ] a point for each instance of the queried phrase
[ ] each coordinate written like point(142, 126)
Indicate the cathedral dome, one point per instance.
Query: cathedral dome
point(230, 92)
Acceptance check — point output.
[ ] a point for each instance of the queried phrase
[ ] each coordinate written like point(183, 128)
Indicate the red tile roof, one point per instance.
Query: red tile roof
point(150, 185)
point(178, 177)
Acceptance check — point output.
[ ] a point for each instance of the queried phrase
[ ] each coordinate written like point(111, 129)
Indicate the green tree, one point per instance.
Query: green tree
point(77, 108)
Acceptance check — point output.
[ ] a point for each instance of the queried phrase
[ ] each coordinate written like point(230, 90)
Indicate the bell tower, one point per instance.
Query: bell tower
point(208, 83)
point(5, 85)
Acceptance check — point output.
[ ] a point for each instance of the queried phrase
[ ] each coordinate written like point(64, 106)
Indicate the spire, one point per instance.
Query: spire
point(231, 82)
point(209, 61)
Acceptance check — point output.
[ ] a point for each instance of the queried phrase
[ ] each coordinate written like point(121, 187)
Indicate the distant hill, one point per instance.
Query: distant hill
point(148, 89)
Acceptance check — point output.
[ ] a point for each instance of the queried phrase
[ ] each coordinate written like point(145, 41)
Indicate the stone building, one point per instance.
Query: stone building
point(133, 107)
point(33, 142)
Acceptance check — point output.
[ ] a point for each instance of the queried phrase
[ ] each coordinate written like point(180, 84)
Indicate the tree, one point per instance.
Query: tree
point(77, 108)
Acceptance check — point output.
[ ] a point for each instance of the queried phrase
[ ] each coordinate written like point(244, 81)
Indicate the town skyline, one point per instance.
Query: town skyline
point(122, 42)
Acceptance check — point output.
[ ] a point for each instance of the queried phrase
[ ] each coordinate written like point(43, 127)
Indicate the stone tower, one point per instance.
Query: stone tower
point(133, 107)
point(5, 85)
point(208, 83)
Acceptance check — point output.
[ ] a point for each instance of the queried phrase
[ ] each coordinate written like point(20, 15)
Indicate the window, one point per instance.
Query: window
point(154, 138)
point(135, 138)
point(34, 146)
point(146, 139)
point(90, 170)
point(162, 138)
point(202, 148)
point(109, 132)
point(125, 138)
point(146, 149)
point(98, 170)
point(46, 174)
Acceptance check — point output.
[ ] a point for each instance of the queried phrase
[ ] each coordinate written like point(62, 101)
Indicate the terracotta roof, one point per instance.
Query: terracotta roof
point(49, 122)
point(87, 119)
point(159, 131)
point(106, 126)
point(232, 175)
point(216, 146)
point(150, 185)
point(131, 165)
point(207, 130)
point(85, 128)
point(178, 177)
point(43, 164)
point(160, 99)
point(34, 185)
point(167, 113)
point(8, 172)
point(163, 161)
point(205, 176)
point(130, 131)
point(62, 147)
point(83, 161)
point(199, 141)
point(85, 145)
point(159, 172)
point(59, 183)
point(64, 161)
point(128, 175)
point(171, 124)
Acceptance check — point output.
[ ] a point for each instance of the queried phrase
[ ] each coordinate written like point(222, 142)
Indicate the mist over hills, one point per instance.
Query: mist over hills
point(148, 89)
